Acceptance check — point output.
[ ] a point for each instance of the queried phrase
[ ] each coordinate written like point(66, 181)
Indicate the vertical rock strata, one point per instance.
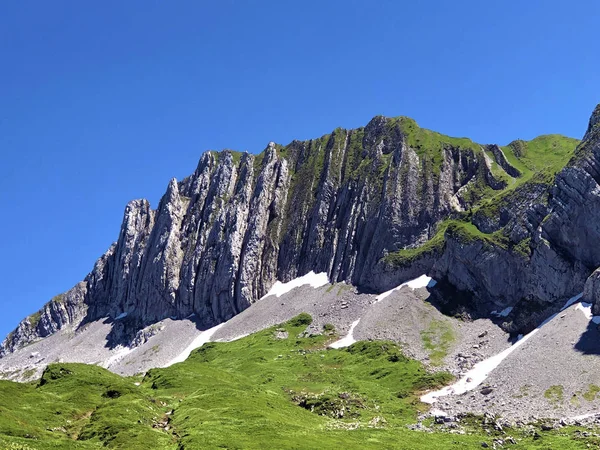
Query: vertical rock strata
point(338, 204)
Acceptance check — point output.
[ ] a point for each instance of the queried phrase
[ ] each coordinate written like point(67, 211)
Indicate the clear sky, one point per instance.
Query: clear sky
point(103, 102)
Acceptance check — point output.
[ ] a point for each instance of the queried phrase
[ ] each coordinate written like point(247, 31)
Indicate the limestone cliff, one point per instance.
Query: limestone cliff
point(371, 206)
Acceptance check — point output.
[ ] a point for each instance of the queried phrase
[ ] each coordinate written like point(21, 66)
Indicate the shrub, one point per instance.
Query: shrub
point(302, 319)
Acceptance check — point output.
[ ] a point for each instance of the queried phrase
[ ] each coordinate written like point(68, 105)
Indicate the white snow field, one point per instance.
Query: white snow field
point(476, 375)
point(347, 340)
point(419, 282)
point(315, 280)
point(198, 342)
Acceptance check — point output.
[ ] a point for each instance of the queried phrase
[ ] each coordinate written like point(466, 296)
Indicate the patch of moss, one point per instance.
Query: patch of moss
point(524, 247)
point(302, 319)
point(430, 145)
point(463, 231)
point(329, 328)
point(591, 393)
point(554, 394)
point(35, 318)
point(437, 340)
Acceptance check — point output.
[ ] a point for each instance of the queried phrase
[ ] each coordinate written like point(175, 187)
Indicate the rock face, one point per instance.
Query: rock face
point(340, 204)
point(547, 243)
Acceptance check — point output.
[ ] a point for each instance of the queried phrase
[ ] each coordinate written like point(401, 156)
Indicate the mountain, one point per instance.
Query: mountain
point(373, 206)
point(360, 289)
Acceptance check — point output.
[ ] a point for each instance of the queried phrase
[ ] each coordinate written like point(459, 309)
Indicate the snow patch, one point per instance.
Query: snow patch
point(121, 352)
point(584, 416)
point(586, 309)
point(477, 374)
point(481, 370)
point(199, 341)
point(121, 316)
point(347, 340)
point(438, 413)
point(420, 282)
point(316, 280)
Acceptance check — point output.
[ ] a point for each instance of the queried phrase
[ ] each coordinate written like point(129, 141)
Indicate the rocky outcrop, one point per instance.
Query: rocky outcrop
point(62, 310)
point(542, 243)
point(224, 235)
point(591, 291)
point(500, 158)
point(339, 204)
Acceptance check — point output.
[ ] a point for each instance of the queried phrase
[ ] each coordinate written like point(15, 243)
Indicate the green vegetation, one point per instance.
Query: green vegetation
point(523, 391)
point(544, 153)
point(78, 406)
point(405, 257)
point(301, 320)
point(538, 161)
point(34, 319)
point(429, 145)
point(591, 393)
point(328, 328)
point(462, 231)
point(257, 392)
point(437, 340)
point(554, 394)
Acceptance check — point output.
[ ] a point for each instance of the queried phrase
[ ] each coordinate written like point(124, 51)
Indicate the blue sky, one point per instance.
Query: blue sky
point(103, 102)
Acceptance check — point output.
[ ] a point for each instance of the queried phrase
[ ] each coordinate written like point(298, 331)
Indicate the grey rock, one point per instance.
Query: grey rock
point(591, 291)
point(221, 237)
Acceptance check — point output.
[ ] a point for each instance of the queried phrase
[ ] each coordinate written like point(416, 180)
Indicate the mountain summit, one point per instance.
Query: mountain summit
point(495, 225)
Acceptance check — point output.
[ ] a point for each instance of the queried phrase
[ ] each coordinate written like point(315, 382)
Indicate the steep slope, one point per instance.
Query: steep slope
point(221, 237)
point(530, 246)
point(274, 389)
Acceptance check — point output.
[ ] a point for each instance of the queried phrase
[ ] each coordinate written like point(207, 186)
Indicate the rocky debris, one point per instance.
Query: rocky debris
point(340, 406)
point(552, 375)
point(377, 422)
point(143, 335)
point(281, 333)
point(322, 303)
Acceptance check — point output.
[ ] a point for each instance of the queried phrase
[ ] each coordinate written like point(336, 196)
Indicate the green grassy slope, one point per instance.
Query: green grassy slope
point(258, 392)
point(538, 161)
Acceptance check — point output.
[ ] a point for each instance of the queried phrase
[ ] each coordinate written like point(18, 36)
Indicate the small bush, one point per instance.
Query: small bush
point(300, 320)
point(54, 372)
point(404, 393)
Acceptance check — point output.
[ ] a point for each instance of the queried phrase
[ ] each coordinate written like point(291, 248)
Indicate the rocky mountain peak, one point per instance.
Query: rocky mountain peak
point(593, 124)
point(371, 206)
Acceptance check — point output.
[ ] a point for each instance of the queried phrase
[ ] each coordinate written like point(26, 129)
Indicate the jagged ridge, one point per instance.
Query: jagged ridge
point(338, 204)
